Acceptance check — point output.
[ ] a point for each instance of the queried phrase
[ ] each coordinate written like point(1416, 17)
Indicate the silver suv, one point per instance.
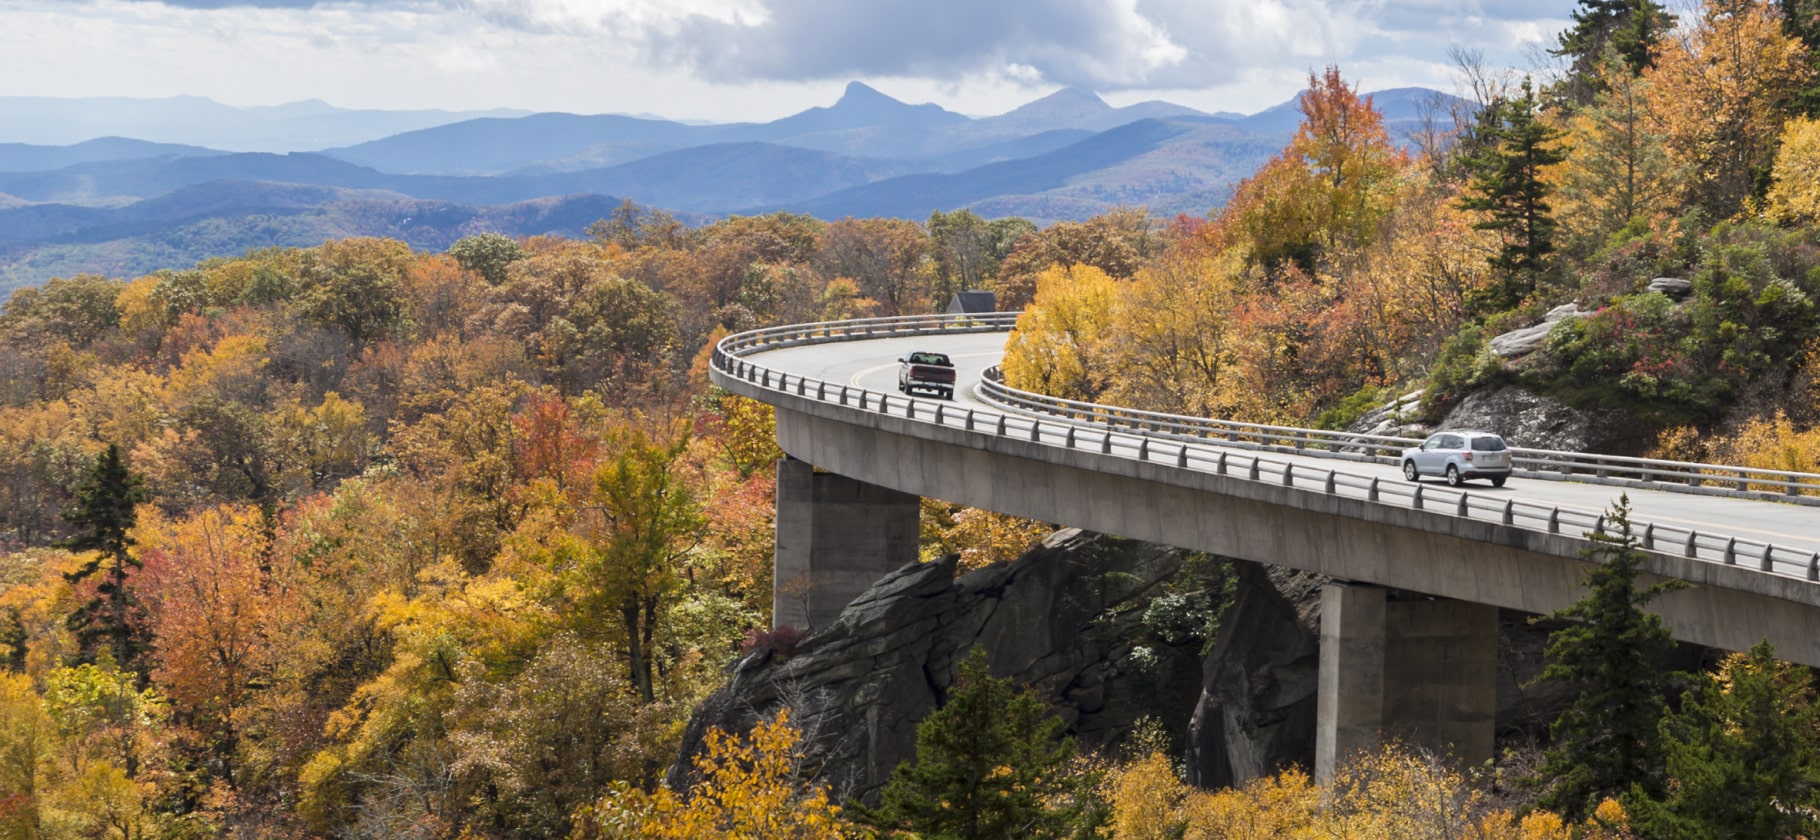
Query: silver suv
point(1458, 456)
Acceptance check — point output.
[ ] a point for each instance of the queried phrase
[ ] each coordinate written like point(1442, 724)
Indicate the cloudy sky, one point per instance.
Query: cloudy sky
point(746, 59)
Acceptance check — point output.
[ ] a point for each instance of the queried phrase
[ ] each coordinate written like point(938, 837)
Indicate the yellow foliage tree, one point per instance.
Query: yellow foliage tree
point(28, 744)
point(1794, 194)
point(1328, 189)
point(1052, 350)
point(981, 537)
point(1392, 794)
point(749, 790)
point(1720, 89)
point(1175, 337)
point(1771, 443)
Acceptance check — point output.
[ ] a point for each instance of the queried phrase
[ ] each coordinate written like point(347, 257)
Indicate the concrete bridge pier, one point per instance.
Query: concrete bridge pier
point(1416, 669)
point(836, 536)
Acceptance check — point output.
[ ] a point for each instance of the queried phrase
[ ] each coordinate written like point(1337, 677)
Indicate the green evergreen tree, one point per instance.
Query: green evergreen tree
point(1507, 185)
point(1743, 756)
point(1630, 28)
point(1607, 743)
point(104, 517)
point(990, 763)
point(1801, 20)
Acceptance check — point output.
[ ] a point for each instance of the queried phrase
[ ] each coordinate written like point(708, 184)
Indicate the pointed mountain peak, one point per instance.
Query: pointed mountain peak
point(861, 94)
point(1075, 97)
point(862, 106)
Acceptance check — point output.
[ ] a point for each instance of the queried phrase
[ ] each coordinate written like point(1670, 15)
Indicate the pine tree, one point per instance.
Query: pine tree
point(104, 514)
point(990, 763)
point(1743, 754)
point(1508, 186)
point(1801, 20)
point(1607, 743)
point(1629, 28)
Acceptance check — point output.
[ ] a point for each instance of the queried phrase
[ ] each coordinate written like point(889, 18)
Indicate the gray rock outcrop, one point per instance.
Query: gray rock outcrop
point(1077, 619)
point(1526, 340)
point(1674, 287)
point(1533, 421)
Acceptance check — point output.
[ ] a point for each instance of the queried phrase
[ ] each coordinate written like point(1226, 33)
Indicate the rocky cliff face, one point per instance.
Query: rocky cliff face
point(1101, 627)
point(1256, 714)
point(1522, 417)
point(1108, 631)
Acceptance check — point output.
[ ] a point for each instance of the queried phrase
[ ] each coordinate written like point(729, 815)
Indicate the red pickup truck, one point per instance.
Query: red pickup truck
point(931, 372)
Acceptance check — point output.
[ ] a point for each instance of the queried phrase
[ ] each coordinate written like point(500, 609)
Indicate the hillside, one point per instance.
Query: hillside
point(25, 157)
point(1159, 163)
point(232, 217)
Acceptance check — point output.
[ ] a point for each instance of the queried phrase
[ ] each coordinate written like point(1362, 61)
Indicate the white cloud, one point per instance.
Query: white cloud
point(741, 59)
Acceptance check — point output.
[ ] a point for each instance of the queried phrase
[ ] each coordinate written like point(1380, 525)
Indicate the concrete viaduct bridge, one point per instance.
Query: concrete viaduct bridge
point(1419, 668)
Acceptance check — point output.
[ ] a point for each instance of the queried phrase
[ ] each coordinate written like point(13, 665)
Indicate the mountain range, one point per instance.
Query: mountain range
point(124, 206)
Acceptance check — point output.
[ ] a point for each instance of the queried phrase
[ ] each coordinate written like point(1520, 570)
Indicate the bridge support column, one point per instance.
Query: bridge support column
point(836, 536)
point(1420, 670)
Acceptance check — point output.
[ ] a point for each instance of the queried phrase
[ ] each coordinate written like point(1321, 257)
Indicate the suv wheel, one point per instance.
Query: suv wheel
point(1409, 470)
point(1453, 476)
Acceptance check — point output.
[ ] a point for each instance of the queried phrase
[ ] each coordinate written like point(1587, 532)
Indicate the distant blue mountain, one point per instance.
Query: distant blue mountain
point(229, 218)
point(1179, 164)
point(914, 196)
point(715, 178)
point(863, 122)
point(859, 107)
point(195, 120)
point(495, 145)
point(23, 157)
point(115, 205)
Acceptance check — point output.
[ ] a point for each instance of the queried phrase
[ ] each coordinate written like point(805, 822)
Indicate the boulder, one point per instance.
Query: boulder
point(1076, 619)
point(1674, 287)
point(1526, 340)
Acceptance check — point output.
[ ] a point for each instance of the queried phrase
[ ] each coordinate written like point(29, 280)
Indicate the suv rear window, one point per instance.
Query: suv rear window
point(1487, 444)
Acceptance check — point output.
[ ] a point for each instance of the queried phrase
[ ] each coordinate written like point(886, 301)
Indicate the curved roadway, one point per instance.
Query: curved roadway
point(872, 364)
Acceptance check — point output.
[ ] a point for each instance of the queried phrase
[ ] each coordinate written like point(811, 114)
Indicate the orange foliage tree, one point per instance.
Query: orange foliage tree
point(1327, 189)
